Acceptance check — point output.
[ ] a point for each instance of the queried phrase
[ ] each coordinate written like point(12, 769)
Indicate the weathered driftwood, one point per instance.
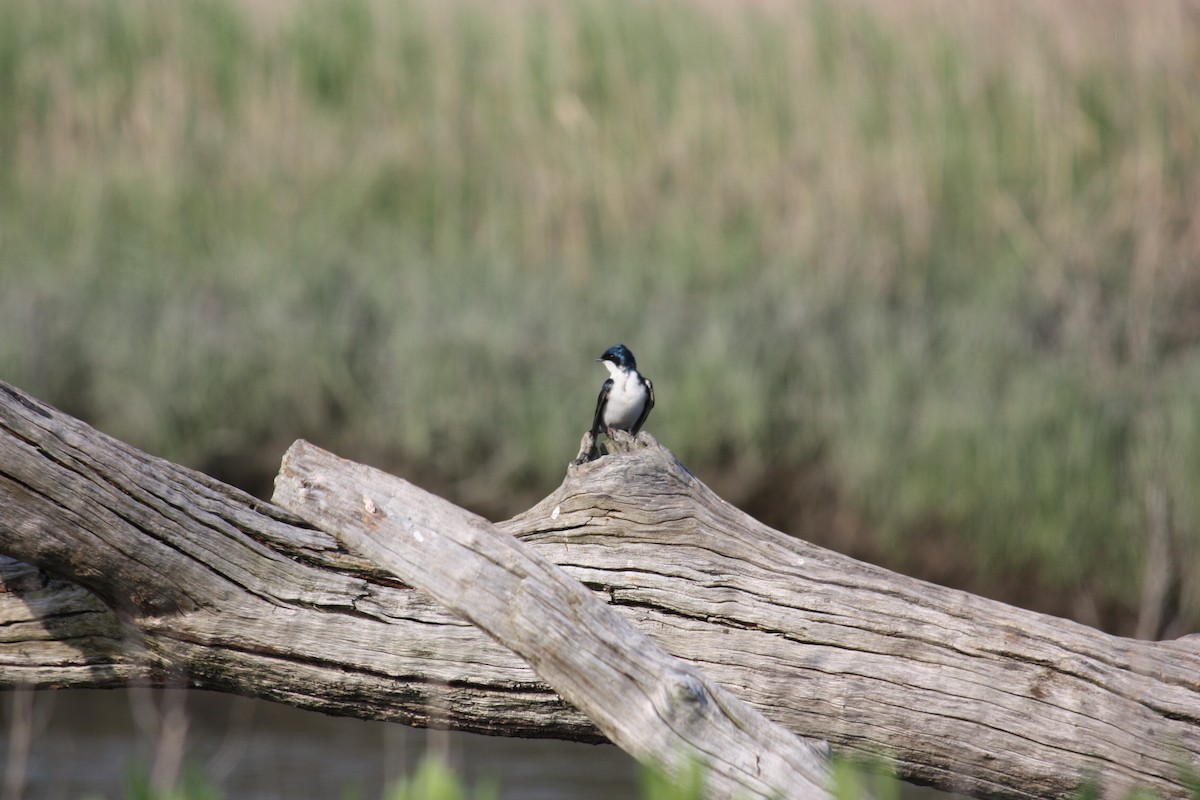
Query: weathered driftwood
point(653, 705)
point(239, 595)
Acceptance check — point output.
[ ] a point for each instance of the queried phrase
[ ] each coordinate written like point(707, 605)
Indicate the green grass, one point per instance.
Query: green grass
point(854, 778)
point(950, 258)
point(434, 780)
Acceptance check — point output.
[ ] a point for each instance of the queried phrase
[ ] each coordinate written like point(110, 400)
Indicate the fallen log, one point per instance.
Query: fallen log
point(654, 706)
point(200, 580)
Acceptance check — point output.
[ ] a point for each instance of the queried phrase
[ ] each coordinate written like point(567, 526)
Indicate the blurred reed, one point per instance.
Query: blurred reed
point(948, 252)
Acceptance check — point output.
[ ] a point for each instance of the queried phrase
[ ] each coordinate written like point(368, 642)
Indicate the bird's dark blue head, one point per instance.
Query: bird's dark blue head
point(619, 355)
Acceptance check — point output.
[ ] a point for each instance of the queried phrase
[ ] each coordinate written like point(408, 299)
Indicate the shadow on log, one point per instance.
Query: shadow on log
point(185, 576)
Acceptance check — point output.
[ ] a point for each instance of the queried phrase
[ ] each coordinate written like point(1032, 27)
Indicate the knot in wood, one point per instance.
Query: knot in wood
point(684, 691)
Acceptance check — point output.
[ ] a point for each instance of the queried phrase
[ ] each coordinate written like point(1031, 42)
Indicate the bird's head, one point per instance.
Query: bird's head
point(620, 357)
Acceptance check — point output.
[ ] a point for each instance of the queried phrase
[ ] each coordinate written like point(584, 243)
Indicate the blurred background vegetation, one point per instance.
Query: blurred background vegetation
point(918, 282)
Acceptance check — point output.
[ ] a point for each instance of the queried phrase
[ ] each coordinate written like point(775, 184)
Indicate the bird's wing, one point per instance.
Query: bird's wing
point(641, 420)
point(601, 401)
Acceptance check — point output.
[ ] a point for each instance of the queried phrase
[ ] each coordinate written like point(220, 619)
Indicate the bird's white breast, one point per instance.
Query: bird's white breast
point(625, 399)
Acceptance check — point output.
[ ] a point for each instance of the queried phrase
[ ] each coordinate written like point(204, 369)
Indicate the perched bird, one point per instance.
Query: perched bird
point(626, 397)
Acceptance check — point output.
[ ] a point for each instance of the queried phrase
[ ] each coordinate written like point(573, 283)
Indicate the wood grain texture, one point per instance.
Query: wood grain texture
point(54, 633)
point(656, 707)
point(206, 584)
point(196, 579)
point(967, 693)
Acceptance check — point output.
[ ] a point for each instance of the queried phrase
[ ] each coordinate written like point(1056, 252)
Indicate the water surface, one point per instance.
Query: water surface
point(86, 743)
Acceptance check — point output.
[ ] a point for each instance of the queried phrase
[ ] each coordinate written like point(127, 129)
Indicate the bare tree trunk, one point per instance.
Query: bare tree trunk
point(189, 577)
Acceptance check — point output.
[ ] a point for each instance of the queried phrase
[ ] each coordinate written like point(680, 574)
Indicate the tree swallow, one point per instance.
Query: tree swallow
point(626, 397)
